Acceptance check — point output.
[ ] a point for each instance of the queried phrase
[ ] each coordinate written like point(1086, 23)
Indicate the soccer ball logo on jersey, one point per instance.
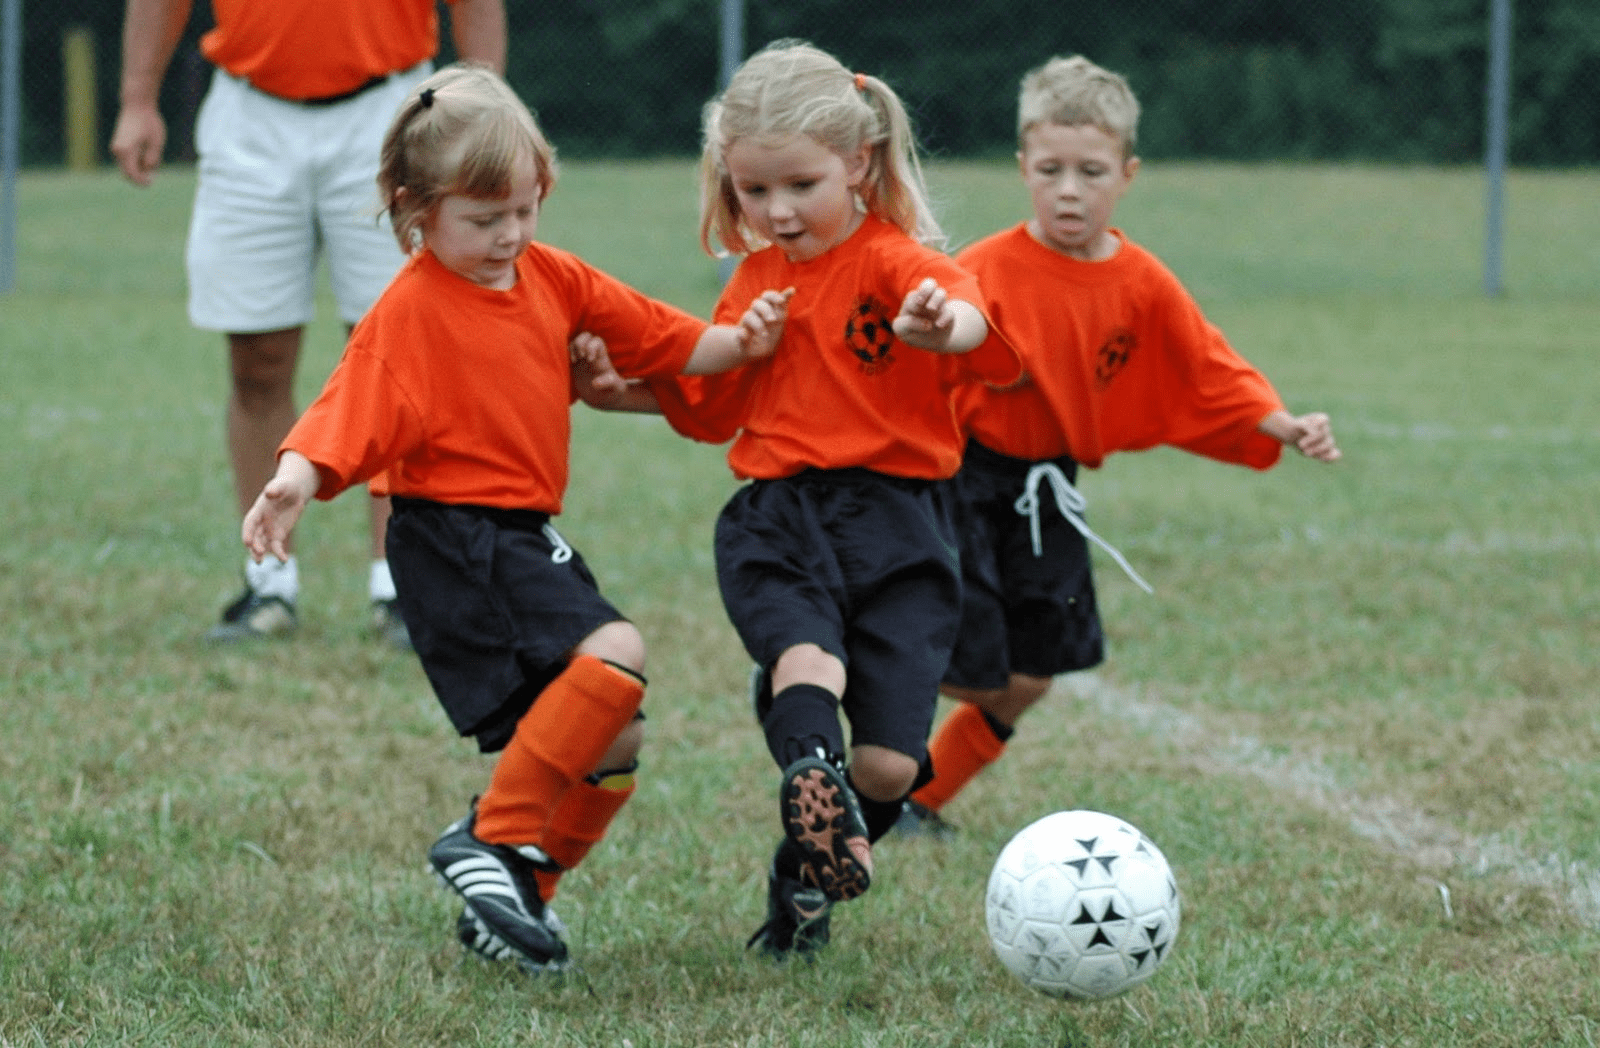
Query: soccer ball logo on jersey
point(1112, 357)
point(870, 336)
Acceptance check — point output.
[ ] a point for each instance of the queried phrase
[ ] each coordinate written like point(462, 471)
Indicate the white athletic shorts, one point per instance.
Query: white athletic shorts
point(280, 183)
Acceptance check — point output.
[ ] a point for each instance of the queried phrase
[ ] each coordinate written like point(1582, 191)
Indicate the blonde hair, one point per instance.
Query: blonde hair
point(461, 131)
point(1073, 92)
point(792, 88)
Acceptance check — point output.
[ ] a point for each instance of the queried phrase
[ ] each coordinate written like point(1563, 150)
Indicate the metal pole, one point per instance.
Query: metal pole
point(1497, 118)
point(732, 40)
point(10, 133)
point(732, 55)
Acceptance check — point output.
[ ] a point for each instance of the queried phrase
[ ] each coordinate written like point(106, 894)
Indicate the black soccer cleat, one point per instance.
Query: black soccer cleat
point(916, 820)
point(496, 882)
point(476, 937)
point(254, 616)
point(387, 624)
point(822, 816)
point(797, 919)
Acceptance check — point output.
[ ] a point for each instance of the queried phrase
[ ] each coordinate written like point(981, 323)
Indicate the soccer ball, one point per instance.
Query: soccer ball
point(1082, 905)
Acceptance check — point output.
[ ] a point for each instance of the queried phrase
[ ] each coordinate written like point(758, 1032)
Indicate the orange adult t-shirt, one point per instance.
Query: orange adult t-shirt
point(316, 48)
point(462, 394)
point(841, 390)
point(1118, 357)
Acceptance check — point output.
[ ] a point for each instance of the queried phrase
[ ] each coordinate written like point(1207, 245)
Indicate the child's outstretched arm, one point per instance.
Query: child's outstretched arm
point(1311, 435)
point(597, 382)
point(930, 319)
point(277, 509)
point(726, 346)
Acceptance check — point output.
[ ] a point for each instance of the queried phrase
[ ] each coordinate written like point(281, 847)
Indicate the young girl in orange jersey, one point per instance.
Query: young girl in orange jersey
point(455, 390)
point(837, 562)
point(1119, 358)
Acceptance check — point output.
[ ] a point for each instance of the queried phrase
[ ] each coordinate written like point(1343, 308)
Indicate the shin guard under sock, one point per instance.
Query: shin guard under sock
point(804, 718)
point(965, 744)
point(557, 743)
point(580, 822)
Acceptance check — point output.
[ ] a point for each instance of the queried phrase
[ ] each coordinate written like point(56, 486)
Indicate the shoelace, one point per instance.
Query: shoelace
point(562, 552)
point(1071, 503)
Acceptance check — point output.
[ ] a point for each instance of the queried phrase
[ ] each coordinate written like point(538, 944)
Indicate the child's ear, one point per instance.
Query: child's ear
point(857, 165)
point(1130, 167)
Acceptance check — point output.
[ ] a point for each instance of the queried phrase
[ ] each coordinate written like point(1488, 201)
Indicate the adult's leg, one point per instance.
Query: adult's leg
point(261, 407)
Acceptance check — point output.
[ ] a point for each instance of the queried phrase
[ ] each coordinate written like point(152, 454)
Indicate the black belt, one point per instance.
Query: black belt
point(343, 96)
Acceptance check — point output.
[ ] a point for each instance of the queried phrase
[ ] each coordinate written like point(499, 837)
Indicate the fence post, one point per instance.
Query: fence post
point(732, 55)
point(10, 132)
point(1497, 117)
point(80, 110)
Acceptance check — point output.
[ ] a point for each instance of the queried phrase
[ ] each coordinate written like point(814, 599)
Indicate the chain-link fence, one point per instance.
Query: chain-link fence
point(1375, 80)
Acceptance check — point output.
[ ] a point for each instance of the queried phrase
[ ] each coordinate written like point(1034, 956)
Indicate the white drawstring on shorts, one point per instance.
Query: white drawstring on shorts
point(562, 552)
point(1071, 503)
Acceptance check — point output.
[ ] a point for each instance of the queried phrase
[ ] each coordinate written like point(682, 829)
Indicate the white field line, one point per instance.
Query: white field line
point(1434, 847)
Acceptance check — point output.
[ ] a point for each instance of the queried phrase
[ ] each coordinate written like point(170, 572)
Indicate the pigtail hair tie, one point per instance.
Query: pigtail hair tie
point(426, 98)
point(861, 82)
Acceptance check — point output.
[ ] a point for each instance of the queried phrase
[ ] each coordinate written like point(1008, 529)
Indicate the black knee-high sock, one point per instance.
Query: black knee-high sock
point(880, 816)
point(804, 720)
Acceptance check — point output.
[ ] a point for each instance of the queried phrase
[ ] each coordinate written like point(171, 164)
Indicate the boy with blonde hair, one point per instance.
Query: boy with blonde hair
point(1118, 357)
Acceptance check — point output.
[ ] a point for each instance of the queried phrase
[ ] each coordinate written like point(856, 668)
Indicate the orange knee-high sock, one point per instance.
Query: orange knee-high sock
point(558, 741)
point(580, 821)
point(962, 747)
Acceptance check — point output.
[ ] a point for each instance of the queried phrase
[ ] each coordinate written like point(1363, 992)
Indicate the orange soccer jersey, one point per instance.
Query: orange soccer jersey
point(841, 390)
point(1118, 356)
point(316, 48)
point(462, 394)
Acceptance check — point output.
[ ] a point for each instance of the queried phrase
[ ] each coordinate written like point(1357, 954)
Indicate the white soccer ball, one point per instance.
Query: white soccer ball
point(1082, 905)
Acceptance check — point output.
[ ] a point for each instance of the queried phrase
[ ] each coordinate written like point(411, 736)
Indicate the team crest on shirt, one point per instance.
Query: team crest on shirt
point(1112, 357)
point(870, 335)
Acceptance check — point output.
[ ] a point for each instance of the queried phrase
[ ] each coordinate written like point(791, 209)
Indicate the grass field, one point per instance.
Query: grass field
point(1360, 714)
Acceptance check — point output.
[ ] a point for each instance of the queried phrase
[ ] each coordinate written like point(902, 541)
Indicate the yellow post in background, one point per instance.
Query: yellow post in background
point(79, 107)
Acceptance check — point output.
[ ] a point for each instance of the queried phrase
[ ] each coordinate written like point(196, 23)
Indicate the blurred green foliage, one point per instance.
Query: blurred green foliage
point(1390, 80)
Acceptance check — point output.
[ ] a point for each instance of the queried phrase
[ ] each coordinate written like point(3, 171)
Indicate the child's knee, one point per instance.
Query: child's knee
point(808, 664)
point(882, 774)
point(616, 642)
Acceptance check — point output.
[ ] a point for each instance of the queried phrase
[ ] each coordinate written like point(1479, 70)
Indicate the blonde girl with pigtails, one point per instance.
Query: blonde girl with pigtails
point(836, 561)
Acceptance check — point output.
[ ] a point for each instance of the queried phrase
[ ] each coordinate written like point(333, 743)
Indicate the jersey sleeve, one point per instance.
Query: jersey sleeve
point(707, 408)
point(645, 337)
point(711, 408)
point(1214, 398)
point(994, 360)
point(362, 423)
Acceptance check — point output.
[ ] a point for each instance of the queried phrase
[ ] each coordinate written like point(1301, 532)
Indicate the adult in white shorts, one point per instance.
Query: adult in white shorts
point(288, 140)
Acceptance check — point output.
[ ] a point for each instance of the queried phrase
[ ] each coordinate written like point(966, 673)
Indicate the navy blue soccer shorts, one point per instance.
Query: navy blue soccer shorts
point(494, 600)
point(864, 566)
point(1022, 611)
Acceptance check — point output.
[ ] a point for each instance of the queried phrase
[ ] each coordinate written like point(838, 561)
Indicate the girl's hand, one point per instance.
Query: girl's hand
point(595, 379)
point(762, 324)
point(277, 509)
point(1314, 438)
point(926, 318)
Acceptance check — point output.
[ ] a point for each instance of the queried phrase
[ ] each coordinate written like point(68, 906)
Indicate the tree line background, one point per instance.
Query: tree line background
point(1355, 80)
